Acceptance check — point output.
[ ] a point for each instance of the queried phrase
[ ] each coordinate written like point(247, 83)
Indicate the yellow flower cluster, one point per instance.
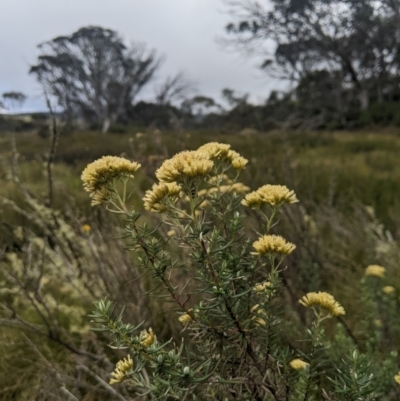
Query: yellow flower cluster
point(121, 368)
point(221, 151)
point(184, 165)
point(298, 364)
point(185, 168)
point(397, 378)
point(375, 270)
point(388, 289)
point(238, 162)
point(273, 244)
point(147, 338)
point(324, 300)
point(261, 287)
point(274, 195)
point(215, 150)
point(98, 176)
point(155, 199)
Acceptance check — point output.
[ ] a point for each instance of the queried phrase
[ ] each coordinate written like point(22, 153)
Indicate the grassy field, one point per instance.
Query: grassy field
point(348, 184)
point(324, 167)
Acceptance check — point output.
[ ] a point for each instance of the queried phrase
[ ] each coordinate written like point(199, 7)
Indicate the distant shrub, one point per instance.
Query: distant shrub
point(118, 129)
point(381, 114)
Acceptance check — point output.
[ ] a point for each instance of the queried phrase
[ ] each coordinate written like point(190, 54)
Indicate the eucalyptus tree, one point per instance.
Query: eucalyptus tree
point(93, 74)
point(13, 100)
point(356, 41)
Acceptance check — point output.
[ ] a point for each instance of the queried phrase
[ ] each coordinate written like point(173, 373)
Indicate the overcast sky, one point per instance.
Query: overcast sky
point(184, 31)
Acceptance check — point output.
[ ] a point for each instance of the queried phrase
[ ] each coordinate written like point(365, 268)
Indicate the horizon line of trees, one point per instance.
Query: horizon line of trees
point(342, 58)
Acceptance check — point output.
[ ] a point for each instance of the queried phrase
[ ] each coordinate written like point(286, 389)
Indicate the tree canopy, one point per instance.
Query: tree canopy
point(93, 74)
point(354, 43)
point(12, 100)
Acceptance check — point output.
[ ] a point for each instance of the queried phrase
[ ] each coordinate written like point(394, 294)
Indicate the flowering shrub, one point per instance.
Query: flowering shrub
point(232, 305)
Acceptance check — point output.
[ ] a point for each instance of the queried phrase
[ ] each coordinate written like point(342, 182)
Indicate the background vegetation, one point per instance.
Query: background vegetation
point(60, 255)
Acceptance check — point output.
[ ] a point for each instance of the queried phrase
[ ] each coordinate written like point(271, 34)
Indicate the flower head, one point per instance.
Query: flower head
point(236, 187)
point(121, 368)
point(375, 270)
point(397, 378)
point(324, 300)
point(185, 318)
point(298, 364)
point(98, 176)
point(147, 338)
point(273, 195)
point(155, 199)
point(261, 287)
point(388, 289)
point(273, 244)
point(222, 152)
point(215, 150)
point(238, 161)
point(185, 165)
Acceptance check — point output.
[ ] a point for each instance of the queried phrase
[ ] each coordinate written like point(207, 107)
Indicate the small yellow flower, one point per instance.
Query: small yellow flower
point(171, 233)
point(258, 320)
point(273, 244)
point(273, 195)
point(397, 378)
point(222, 152)
point(324, 300)
point(86, 228)
point(121, 368)
point(261, 287)
point(238, 161)
point(100, 196)
point(388, 289)
point(215, 150)
point(375, 270)
point(98, 175)
point(183, 166)
point(236, 187)
point(298, 364)
point(147, 338)
point(185, 319)
point(378, 322)
point(156, 199)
